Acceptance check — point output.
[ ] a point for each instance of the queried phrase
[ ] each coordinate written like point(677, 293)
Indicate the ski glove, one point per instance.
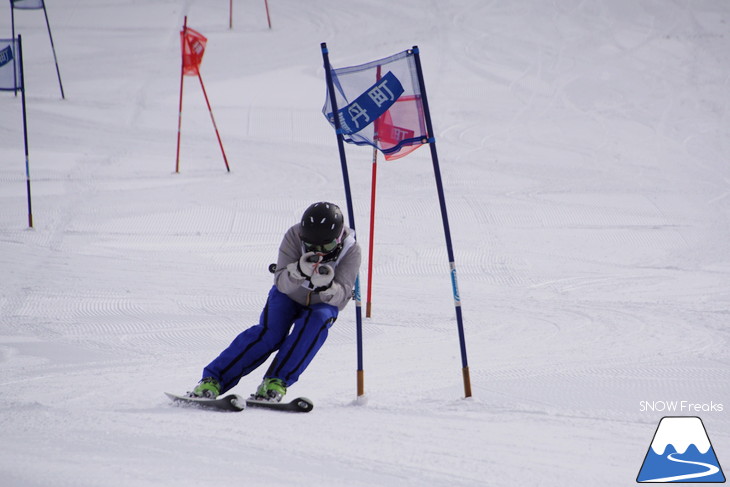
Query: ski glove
point(293, 269)
point(308, 263)
point(322, 278)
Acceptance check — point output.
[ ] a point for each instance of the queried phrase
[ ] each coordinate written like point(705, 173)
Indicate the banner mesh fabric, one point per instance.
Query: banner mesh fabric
point(27, 4)
point(10, 79)
point(379, 104)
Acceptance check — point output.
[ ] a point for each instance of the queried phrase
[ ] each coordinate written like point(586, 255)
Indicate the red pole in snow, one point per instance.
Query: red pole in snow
point(268, 17)
point(179, 111)
point(205, 94)
point(215, 127)
point(369, 301)
point(371, 243)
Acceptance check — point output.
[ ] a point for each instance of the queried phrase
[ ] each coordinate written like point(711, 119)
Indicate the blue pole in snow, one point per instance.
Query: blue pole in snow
point(350, 212)
point(12, 23)
point(53, 48)
point(50, 35)
point(445, 219)
point(25, 131)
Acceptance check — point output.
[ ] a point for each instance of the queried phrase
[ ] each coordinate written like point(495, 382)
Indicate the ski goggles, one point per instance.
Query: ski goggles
point(326, 247)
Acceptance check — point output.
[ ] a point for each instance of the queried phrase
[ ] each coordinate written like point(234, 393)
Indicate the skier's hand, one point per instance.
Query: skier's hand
point(308, 263)
point(293, 270)
point(322, 277)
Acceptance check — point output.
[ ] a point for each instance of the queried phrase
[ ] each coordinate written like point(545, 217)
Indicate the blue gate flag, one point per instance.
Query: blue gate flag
point(27, 4)
point(380, 105)
point(373, 103)
point(10, 78)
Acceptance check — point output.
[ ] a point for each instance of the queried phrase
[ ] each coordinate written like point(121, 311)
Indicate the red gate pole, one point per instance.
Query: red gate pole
point(371, 243)
point(215, 127)
point(268, 17)
point(179, 111)
point(368, 300)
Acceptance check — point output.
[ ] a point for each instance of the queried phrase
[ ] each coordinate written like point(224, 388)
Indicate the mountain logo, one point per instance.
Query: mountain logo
point(681, 452)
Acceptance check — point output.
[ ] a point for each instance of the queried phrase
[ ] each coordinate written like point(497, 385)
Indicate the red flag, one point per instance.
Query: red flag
point(193, 48)
point(392, 127)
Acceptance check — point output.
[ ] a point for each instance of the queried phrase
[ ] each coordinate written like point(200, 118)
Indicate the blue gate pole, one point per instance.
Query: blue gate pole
point(25, 131)
point(350, 212)
point(50, 36)
point(53, 48)
point(445, 219)
point(12, 23)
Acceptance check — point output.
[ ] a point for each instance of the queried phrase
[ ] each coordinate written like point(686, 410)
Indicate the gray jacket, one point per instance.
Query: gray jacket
point(346, 266)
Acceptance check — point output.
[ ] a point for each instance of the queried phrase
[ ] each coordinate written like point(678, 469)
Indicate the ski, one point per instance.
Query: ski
point(298, 405)
point(231, 402)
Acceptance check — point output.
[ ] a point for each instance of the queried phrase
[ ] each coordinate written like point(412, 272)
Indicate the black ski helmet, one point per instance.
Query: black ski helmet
point(322, 223)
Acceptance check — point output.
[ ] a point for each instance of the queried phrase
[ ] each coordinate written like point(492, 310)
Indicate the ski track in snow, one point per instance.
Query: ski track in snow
point(583, 147)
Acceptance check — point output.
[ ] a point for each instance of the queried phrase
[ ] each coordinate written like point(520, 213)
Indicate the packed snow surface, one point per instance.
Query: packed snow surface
point(584, 148)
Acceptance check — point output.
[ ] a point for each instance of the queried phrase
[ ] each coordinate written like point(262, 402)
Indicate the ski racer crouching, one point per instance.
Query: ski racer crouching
point(318, 263)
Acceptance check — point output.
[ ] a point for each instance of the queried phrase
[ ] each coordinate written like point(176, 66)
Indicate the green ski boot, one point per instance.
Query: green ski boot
point(208, 388)
point(270, 390)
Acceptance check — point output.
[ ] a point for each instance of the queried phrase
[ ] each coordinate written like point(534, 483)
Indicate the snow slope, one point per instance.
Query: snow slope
point(584, 150)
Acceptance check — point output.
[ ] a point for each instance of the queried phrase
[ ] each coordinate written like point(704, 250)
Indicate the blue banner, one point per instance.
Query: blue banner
point(379, 104)
point(10, 79)
point(371, 104)
point(6, 55)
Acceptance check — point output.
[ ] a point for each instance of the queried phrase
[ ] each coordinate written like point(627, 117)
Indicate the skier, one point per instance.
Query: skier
point(318, 262)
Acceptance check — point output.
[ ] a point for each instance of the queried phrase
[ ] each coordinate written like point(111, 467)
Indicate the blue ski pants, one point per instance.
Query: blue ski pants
point(253, 346)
